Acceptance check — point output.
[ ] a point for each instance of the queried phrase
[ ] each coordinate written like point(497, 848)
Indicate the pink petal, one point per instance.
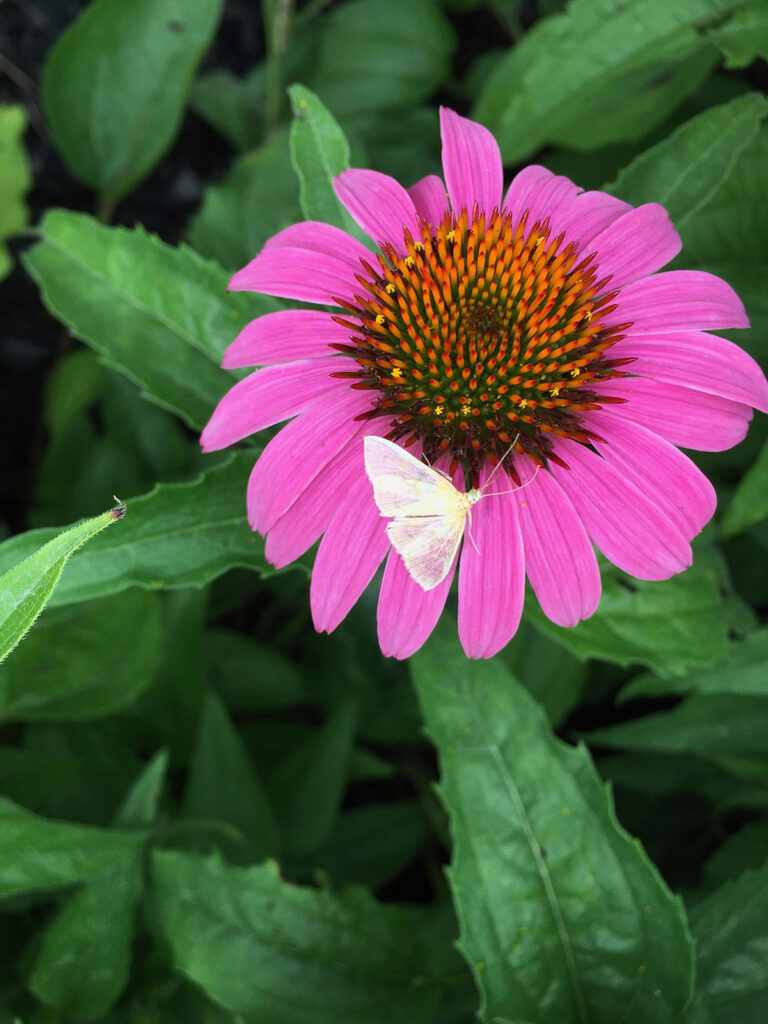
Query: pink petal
point(297, 274)
point(637, 244)
point(430, 198)
point(407, 614)
point(351, 551)
point(688, 418)
point(657, 468)
point(678, 300)
point(379, 204)
point(316, 236)
point(269, 396)
point(559, 559)
point(471, 164)
point(284, 336)
point(540, 192)
point(625, 524)
point(307, 518)
point(302, 449)
point(491, 575)
point(700, 361)
point(588, 215)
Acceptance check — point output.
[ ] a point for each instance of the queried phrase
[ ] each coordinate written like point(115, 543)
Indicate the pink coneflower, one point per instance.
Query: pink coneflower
point(485, 317)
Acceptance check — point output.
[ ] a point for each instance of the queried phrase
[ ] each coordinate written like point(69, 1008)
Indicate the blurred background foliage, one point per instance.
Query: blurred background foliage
point(172, 730)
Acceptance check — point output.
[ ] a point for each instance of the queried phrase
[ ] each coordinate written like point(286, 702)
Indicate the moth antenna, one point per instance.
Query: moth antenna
point(496, 494)
point(477, 549)
point(499, 465)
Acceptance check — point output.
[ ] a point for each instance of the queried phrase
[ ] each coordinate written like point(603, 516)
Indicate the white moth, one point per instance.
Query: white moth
point(428, 513)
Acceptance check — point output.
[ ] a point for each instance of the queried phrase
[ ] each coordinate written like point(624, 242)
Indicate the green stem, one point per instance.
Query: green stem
point(277, 27)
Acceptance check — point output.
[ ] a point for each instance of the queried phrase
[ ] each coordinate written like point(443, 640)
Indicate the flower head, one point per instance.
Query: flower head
point(529, 326)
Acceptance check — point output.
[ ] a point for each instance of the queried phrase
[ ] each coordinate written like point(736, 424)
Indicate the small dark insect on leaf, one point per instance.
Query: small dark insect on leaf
point(543, 853)
point(119, 511)
point(176, 26)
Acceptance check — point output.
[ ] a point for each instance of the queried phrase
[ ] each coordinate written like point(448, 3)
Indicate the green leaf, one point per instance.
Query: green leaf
point(308, 784)
point(139, 809)
point(548, 671)
point(731, 930)
point(288, 955)
point(26, 588)
point(160, 315)
point(84, 661)
point(251, 676)
point(36, 853)
point(257, 199)
point(670, 626)
point(223, 785)
point(742, 670)
point(15, 179)
point(726, 728)
point(319, 152)
point(178, 535)
point(744, 37)
point(82, 967)
point(600, 73)
point(115, 85)
point(685, 170)
point(375, 56)
point(562, 916)
point(740, 851)
point(749, 504)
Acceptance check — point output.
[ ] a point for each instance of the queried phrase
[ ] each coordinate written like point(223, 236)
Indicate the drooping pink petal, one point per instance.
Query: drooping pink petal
point(678, 300)
point(302, 449)
point(407, 614)
point(657, 468)
point(491, 571)
point(298, 529)
point(639, 243)
point(559, 559)
point(284, 336)
point(352, 549)
point(688, 418)
point(540, 192)
point(271, 395)
point(311, 261)
point(430, 198)
point(625, 524)
point(697, 360)
point(472, 165)
point(586, 216)
point(379, 204)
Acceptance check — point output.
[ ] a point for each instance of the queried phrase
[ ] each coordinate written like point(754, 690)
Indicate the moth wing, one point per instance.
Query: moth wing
point(427, 545)
point(405, 486)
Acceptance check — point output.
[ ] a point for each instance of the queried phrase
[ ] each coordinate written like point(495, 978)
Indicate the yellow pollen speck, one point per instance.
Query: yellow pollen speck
point(391, 289)
point(524, 403)
point(381, 319)
point(439, 409)
point(565, 811)
point(641, 968)
point(575, 371)
point(397, 372)
point(556, 390)
point(450, 236)
point(409, 261)
point(417, 247)
point(465, 410)
point(540, 239)
point(590, 879)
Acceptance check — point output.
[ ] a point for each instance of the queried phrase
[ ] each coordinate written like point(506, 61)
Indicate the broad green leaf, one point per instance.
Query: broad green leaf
point(740, 851)
point(729, 729)
point(562, 916)
point(36, 853)
point(139, 809)
point(731, 931)
point(670, 626)
point(251, 676)
point(319, 151)
point(258, 198)
point(547, 670)
point(744, 37)
point(374, 843)
point(684, 171)
point(223, 785)
point(308, 784)
point(15, 179)
point(83, 964)
point(749, 504)
point(743, 670)
point(375, 56)
point(288, 955)
point(26, 588)
point(599, 73)
point(84, 661)
point(179, 535)
point(115, 85)
point(160, 315)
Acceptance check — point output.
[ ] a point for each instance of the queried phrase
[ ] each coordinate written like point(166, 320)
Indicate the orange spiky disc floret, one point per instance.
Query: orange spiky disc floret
point(483, 332)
